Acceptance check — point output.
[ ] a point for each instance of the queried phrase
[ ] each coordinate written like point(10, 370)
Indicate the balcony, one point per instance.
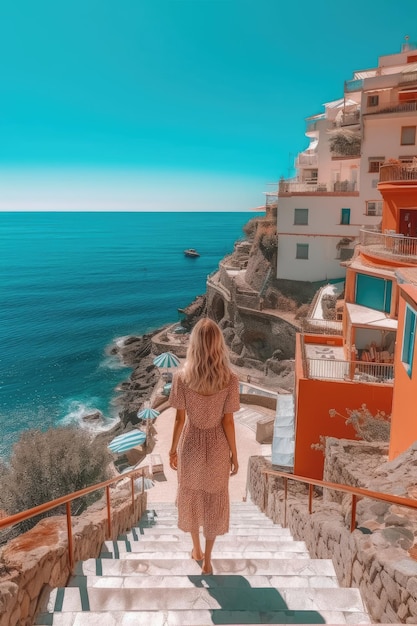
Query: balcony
point(393, 106)
point(326, 360)
point(291, 186)
point(353, 85)
point(348, 119)
point(307, 160)
point(390, 245)
point(346, 152)
point(392, 172)
point(351, 371)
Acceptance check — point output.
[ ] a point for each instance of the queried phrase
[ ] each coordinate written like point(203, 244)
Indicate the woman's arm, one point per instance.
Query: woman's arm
point(229, 430)
point(178, 426)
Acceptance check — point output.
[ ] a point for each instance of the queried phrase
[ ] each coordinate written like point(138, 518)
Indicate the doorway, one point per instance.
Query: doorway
point(408, 222)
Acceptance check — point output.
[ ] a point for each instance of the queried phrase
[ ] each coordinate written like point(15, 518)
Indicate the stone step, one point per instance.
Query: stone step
point(234, 515)
point(163, 519)
point(243, 531)
point(135, 535)
point(74, 599)
point(218, 550)
point(169, 506)
point(185, 555)
point(172, 523)
point(202, 617)
point(136, 566)
point(183, 582)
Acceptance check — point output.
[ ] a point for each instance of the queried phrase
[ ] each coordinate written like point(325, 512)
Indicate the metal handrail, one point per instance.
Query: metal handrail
point(354, 491)
point(11, 520)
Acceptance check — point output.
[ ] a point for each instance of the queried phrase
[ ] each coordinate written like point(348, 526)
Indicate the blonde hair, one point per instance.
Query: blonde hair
point(206, 369)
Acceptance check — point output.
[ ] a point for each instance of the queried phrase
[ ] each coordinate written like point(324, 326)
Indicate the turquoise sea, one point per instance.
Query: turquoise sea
point(72, 283)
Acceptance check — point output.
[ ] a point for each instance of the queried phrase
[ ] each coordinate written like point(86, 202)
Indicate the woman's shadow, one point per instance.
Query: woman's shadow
point(240, 602)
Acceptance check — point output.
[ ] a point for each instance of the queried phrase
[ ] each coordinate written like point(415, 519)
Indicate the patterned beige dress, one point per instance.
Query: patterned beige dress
point(204, 457)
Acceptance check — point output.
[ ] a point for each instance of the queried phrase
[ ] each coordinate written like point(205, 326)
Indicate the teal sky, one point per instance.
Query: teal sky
point(172, 104)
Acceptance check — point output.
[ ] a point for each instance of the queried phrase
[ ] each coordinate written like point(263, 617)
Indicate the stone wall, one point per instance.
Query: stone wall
point(375, 561)
point(33, 563)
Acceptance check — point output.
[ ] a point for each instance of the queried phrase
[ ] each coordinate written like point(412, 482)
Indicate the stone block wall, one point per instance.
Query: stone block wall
point(379, 566)
point(36, 561)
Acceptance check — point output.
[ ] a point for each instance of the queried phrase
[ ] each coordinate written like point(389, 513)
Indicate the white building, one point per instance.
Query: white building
point(334, 193)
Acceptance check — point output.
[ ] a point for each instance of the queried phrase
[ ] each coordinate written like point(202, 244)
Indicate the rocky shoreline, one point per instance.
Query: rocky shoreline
point(134, 352)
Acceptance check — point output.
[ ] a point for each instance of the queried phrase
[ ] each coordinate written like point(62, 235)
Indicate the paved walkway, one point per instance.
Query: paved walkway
point(247, 446)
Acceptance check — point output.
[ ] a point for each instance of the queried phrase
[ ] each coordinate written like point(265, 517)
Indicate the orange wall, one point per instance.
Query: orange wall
point(404, 405)
point(314, 399)
point(396, 196)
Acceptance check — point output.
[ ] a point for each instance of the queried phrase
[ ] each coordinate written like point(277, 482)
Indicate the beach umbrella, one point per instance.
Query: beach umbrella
point(125, 442)
point(147, 414)
point(166, 360)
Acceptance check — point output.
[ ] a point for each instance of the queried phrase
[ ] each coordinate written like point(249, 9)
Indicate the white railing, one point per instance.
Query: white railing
point(393, 172)
point(321, 327)
point(304, 160)
point(390, 243)
point(393, 106)
point(408, 77)
point(348, 119)
point(333, 369)
point(295, 186)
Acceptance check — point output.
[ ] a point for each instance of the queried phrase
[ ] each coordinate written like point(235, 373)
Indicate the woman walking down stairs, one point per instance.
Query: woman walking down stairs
point(147, 577)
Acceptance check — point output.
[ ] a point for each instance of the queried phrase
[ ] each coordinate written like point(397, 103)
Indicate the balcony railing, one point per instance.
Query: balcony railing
point(295, 186)
point(322, 327)
point(395, 106)
point(408, 77)
point(393, 172)
point(348, 119)
point(353, 85)
point(358, 371)
point(307, 160)
point(390, 244)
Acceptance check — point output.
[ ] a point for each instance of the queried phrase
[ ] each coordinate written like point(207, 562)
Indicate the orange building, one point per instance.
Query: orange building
point(404, 406)
point(355, 365)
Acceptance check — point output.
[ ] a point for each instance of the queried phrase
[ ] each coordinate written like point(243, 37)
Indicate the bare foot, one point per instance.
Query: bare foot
point(207, 568)
point(197, 556)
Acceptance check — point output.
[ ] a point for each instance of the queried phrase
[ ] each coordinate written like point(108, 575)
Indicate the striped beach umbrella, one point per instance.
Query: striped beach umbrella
point(127, 441)
point(166, 360)
point(147, 414)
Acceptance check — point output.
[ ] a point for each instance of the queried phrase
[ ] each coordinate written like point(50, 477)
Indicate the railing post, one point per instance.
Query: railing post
point(310, 499)
point(353, 514)
point(108, 512)
point(132, 484)
point(69, 534)
point(285, 501)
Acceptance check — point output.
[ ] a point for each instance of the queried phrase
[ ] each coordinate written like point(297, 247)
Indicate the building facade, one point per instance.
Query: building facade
point(335, 191)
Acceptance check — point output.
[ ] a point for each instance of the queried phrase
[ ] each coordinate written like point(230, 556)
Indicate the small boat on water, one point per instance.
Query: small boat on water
point(191, 252)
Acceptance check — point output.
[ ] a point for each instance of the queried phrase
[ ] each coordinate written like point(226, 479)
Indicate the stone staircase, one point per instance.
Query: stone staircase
point(146, 577)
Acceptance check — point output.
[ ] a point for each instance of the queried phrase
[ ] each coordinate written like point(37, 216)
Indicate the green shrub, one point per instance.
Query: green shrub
point(48, 465)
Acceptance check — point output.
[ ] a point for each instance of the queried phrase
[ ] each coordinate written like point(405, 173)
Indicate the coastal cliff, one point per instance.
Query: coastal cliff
point(259, 317)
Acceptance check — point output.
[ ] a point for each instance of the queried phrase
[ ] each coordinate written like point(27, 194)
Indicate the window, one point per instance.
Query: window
point(345, 216)
point(300, 217)
point(375, 163)
point(373, 101)
point(302, 251)
point(373, 292)
point(408, 135)
point(374, 207)
point(407, 351)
